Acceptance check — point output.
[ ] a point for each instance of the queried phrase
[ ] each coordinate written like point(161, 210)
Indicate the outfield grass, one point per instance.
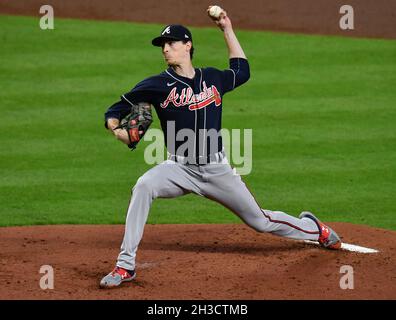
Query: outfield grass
point(322, 110)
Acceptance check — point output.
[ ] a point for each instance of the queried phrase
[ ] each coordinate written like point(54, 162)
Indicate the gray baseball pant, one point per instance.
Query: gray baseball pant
point(216, 181)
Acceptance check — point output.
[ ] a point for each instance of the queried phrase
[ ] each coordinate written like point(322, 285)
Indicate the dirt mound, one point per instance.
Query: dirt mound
point(372, 18)
point(194, 262)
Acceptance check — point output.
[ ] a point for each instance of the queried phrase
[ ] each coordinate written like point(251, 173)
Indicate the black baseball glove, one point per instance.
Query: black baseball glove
point(136, 123)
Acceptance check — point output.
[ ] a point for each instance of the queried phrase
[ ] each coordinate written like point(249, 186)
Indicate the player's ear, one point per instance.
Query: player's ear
point(188, 45)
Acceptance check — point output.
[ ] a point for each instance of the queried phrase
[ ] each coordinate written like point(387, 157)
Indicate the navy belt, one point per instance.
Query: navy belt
point(201, 160)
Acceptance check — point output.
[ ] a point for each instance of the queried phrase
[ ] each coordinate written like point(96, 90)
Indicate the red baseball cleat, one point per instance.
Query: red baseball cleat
point(327, 236)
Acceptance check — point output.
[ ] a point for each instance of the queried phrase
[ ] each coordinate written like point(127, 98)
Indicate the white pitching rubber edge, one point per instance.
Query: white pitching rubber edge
point(349, 247)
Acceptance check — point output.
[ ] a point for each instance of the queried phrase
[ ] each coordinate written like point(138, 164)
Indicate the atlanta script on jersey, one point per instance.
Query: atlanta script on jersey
point(186, 103)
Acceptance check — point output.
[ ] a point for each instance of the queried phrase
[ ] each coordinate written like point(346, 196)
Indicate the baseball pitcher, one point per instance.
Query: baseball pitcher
point(188, 99)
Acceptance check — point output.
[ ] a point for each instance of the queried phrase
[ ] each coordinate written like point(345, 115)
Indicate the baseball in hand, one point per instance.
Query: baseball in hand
point(215, 11)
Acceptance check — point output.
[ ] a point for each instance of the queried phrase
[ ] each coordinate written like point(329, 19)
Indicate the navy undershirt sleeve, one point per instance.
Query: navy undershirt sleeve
point(118, 110)
point(142, 92)
point(237, 75)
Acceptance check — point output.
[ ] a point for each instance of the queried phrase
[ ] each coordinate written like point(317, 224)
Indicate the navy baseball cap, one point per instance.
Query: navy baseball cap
point(172, 32)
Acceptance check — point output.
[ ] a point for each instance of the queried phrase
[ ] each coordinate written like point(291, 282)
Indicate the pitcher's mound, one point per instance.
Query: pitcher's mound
point(195, 262)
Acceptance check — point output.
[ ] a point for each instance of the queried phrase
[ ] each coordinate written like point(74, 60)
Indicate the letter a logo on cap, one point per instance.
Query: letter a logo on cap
point(167, 30)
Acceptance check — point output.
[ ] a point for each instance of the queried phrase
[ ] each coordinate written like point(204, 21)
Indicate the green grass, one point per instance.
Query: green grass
point(322, 110)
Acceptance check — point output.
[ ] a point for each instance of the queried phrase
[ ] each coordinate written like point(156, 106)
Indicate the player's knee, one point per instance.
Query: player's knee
point(259, 225)
point(260, 228)
point(145, 185)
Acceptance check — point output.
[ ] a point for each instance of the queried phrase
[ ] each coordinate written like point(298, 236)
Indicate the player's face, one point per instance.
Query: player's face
point(176, 52)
